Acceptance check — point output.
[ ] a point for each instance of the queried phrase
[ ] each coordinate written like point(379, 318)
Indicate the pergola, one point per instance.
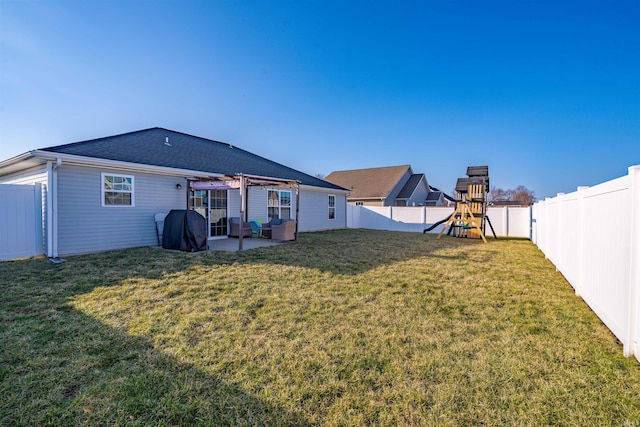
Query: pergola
point(242, 182)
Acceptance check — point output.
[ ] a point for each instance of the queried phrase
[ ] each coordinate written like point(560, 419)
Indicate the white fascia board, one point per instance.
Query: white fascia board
point(125, 166)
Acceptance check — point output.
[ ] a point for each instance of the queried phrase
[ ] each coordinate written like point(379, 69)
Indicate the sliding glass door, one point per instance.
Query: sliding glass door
point(211, 204)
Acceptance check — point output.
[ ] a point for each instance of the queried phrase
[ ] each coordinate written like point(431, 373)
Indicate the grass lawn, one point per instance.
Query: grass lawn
point(341, 328)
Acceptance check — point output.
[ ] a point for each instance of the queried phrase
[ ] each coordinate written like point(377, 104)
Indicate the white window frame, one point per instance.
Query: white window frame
point(332, 208)
point(279, 205)
point(132, 192)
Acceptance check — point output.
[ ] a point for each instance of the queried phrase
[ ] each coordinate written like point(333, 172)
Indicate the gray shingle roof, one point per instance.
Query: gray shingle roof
point(410, 186)
point(183, 151)
point(434, 195)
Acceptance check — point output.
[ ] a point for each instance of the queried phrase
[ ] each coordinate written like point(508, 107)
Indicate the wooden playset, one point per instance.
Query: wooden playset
point(469, 218)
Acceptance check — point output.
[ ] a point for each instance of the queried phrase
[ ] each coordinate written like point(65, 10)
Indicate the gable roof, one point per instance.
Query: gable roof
point(445, 195)
point(370, 183)
point(411, 186)
point(434, 195)
point(167, 148)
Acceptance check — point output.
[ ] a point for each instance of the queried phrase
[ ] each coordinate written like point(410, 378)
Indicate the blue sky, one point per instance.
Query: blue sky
point(547, 93)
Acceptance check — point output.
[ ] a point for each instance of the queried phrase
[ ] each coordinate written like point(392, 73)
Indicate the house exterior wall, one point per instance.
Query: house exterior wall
point(367, 202)
point(391, 197)
point(314, 207)
point(314, 210)
point(419, 195)
point(84, 225)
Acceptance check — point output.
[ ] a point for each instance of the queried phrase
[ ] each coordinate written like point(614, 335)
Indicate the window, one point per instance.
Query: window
point(279, 204)
point(332, 206)
point(117, 190)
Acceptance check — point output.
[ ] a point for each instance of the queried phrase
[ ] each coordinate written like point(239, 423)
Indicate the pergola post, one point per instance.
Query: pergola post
point(243, 195)
point(297, 187)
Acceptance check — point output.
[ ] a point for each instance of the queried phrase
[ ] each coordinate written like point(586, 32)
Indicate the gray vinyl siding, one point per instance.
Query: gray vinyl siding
point(84, 225)
point(314, 207)
point(36, 175)
point(314, 210)
point(391, 198)
point(419, 195)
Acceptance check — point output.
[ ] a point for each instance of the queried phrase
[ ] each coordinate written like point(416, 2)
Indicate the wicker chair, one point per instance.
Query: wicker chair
point(285, 231)
point(234, 224)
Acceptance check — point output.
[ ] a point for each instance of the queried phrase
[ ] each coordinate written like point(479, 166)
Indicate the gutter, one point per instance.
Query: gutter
point(52, 208)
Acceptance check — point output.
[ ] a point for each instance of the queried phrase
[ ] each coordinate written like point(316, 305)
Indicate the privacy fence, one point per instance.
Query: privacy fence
point(592, 236)
point(20, 221)
point(506, 221)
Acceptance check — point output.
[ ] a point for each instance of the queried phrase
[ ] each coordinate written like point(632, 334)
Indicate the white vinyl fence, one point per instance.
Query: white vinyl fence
point(506, 221)
point(592, 236)
point(20, 221)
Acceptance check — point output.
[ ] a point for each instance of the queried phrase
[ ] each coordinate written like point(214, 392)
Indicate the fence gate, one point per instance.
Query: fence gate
point(20, 221)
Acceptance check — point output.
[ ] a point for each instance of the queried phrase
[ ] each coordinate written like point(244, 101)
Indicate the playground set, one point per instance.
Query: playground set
point(469, 218)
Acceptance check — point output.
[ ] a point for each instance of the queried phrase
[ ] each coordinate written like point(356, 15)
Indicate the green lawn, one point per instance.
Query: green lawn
point(341, 328)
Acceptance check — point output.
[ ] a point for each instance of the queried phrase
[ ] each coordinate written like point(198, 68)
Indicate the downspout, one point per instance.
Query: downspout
point(52, 208)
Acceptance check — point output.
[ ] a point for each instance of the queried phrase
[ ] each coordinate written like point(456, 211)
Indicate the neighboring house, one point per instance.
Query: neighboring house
point(102, 194)
point(373, 186)
point(437, 197)
point(386, 186)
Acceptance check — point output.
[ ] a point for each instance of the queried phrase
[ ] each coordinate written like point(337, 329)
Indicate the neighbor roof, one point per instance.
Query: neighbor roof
point(434, 195)
point(410, 186)
point(371, 183)
point(167, 148)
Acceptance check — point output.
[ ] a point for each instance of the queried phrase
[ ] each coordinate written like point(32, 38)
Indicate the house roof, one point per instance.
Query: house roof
point(434, 195)
point(167, 148)
point(410, 186)
point(371, 183)
point(445, 195)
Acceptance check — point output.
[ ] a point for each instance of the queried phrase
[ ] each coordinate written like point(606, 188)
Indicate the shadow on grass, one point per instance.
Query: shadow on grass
point(59, 366)
point(357, 251)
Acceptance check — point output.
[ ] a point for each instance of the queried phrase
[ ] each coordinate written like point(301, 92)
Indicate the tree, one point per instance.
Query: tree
point(522, 194)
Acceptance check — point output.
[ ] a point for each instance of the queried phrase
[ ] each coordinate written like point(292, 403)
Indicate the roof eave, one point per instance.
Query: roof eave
point(18, 163)
point(128, 166)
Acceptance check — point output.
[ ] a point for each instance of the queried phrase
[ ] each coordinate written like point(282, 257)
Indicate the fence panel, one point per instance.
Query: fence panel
point(592, 236)
point(20, 221)
point(506, 221)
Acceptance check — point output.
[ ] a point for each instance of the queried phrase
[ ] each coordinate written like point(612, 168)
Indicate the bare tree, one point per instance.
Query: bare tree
point(319, 175)
point(520, 194)
point(497, 194)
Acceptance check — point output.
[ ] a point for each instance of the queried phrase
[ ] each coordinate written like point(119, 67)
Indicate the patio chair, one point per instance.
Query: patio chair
point(234, 224)
point(284, 231)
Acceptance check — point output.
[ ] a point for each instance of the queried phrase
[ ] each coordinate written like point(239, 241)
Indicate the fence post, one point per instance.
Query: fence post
point(631, 345)
point(581, 232)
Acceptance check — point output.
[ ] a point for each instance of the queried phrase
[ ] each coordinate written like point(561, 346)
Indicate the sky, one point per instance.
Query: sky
point(546, 93)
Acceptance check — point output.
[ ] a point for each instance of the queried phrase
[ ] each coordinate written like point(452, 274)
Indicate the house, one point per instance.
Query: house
point(437, 198)
point(384, 186)
point(103, 194)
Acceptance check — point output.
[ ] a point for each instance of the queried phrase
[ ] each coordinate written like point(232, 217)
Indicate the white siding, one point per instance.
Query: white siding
point(314, 210)
point(85, 226)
